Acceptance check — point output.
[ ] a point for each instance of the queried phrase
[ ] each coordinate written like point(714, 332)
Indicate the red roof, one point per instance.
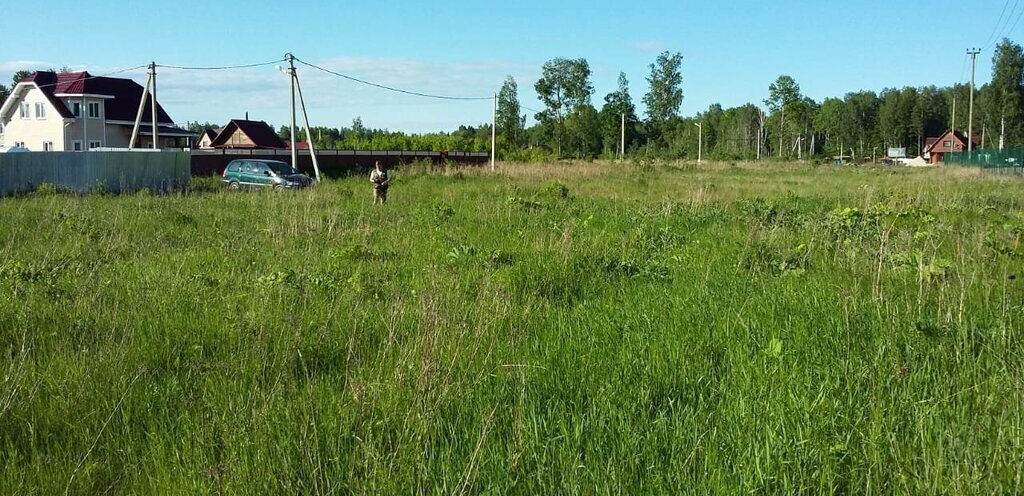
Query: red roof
point(125, 93)
point(259, 132)
point(46, 82)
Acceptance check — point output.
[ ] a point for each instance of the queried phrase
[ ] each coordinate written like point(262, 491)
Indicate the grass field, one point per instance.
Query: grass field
point(563, 329)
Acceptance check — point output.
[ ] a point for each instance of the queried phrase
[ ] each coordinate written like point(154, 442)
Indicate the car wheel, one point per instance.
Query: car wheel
point(277, 187)
point(233, 185)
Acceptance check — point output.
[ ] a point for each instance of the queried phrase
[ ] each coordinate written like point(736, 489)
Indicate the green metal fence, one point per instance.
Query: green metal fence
point(1008, 158)
point(114, 172)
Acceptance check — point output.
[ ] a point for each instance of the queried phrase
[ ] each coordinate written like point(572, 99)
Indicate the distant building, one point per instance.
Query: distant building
point(253, 135)
point(936, 149)
point(76, 111)
point(205, 139)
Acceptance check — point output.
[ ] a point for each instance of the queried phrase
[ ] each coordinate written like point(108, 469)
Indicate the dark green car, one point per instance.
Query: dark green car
point(254, 173)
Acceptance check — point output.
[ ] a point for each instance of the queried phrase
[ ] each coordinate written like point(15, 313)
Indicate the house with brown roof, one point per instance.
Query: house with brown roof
point(252, 135)
point(77, 111)
point(206, 137)
point(952, 142)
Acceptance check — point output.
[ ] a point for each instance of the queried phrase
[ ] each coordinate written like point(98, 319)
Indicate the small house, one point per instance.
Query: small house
point(951, 142)
point(251, 135)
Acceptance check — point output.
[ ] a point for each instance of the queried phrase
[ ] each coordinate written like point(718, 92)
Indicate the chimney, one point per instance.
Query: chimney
point(247, 116)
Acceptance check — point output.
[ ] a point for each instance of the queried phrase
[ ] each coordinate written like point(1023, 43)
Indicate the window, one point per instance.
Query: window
point(19, 144)
point(94, 110)
point(23, 110)
point(948, 143)
point(94, 144)
point(40, 110)
point(77, 146)
point(47, 146)
point(76, 109)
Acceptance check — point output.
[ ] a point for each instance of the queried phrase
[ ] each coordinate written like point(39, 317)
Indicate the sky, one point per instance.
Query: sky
point(732, 50)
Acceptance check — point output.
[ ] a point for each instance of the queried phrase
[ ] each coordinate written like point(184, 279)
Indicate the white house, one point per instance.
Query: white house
point(76, 111)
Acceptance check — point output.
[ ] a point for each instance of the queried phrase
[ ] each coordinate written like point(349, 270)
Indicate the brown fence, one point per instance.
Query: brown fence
point(333, 163)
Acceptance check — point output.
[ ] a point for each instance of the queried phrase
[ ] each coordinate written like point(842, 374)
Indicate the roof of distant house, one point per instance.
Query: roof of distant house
point(259, 132)
point(937, 142)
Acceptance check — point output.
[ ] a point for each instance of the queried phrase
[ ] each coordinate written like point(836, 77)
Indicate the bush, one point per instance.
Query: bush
point(537, 154)
point(99, 188)
point(47, 189)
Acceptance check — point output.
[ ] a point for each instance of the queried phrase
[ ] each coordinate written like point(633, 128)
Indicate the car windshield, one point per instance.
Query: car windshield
point(281, 168)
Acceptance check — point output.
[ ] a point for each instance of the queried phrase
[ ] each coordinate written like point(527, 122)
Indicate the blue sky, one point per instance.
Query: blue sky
point(732, 49)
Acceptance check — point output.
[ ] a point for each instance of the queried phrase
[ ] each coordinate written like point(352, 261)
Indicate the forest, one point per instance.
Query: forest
point(786, 125)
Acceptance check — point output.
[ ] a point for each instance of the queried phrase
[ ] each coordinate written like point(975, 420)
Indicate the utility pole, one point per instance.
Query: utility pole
point(83, 114)
point(142, 107)
point(309, 135)
point(973, 52)
point(782, 128)
point(494, 131)
point(291, 77)
point(953, 129)
point(1002, 132)
point(952, 136)
point(622, 139)
point(152, 110)
point(760, 132)
point(700, 140)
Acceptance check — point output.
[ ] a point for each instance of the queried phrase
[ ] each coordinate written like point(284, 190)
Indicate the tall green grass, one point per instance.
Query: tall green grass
point(566, 329)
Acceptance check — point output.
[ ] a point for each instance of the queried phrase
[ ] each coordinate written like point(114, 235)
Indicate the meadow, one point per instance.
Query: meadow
point(572, 328)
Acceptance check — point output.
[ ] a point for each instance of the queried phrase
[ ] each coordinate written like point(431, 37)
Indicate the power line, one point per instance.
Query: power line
point(1014, 26)
point(524, 107)
point(143, 66)
point(998, 22)
point(221, 68)
point(1006, 24)
point(389, 88)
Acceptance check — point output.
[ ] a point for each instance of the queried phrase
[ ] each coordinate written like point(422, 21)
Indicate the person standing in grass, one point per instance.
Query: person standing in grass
point(381, 178)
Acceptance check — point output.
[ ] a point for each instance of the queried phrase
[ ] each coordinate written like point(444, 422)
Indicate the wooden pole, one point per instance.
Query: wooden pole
point(291, 74)
point(970, 113)
point(494, 131)
point(622, 139)
point(156, 134)
point(83, 113)
point(309, 139)
point(138, 116)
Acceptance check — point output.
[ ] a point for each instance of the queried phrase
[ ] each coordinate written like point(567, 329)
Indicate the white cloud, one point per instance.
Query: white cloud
point(648, 45)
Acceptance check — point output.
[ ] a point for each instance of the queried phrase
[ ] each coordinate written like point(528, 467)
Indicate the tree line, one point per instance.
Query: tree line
point(791, 125)
point(359, 137)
